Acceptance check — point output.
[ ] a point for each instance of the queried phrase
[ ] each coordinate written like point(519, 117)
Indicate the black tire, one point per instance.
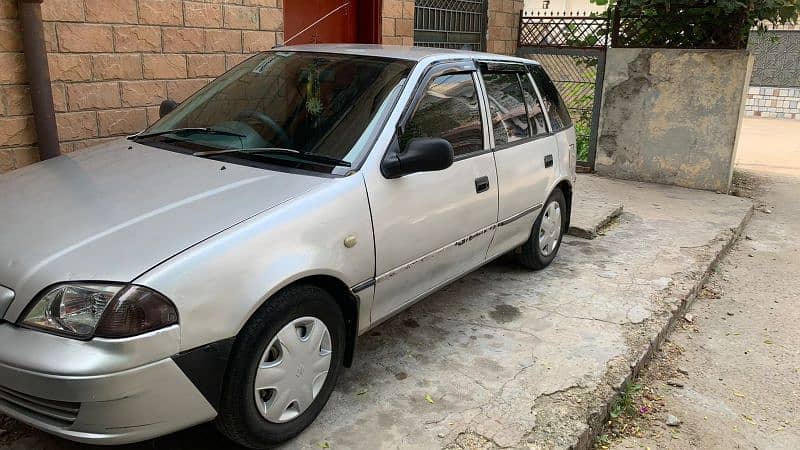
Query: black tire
point(239, 418)
point(530, 255)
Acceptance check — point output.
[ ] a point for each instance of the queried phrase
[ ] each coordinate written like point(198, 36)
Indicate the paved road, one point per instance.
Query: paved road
point(740, 351)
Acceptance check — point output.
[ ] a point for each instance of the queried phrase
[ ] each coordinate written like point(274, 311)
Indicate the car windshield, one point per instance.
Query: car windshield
point(319, 108)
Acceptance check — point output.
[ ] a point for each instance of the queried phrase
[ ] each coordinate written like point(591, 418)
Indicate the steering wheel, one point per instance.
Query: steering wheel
point(270, 122)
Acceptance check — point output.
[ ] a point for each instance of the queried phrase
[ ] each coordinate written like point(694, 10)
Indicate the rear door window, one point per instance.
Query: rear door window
point(553, 104)
point(535, 110)
point(509, 114)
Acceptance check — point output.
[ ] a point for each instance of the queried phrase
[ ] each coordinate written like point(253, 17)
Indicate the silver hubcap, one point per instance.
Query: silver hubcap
point(293, 369)
point(550, 229)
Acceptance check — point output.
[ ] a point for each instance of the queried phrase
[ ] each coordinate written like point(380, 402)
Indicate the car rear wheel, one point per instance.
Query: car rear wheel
point(283, 367)
point(548, 230)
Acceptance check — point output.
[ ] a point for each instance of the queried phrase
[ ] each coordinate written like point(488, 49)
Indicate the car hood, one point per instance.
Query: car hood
point(114, 212)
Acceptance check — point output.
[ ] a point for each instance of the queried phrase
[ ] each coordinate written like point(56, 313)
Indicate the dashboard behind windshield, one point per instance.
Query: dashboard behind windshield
point(311, 103)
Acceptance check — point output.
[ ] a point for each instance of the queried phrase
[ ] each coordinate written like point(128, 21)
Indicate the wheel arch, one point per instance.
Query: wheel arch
point(348, 302)
point(566, 188)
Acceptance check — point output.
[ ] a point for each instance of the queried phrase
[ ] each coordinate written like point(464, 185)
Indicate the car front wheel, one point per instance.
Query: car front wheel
point(548, 230)
point(283, 367)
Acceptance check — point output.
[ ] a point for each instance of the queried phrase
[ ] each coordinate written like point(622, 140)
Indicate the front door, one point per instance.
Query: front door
point(320, 21)
point(431, 227)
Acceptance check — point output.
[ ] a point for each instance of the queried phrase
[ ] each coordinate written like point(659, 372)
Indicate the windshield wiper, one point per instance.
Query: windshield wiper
point(207, 130)
point(278, 151)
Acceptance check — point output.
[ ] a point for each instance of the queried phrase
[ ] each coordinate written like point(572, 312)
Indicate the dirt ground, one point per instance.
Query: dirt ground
point(729, 375)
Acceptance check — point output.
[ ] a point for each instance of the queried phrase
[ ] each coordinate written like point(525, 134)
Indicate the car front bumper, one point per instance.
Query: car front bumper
point(100, 391)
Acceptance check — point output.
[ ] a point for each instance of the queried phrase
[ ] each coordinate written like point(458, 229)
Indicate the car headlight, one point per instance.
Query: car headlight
point(108, 310)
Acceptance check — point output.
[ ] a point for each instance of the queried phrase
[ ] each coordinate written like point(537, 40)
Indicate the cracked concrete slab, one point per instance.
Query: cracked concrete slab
point(592, 211)
point(513, 358)
point(506, 357)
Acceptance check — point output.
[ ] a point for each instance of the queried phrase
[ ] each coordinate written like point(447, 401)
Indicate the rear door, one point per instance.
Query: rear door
point(431, 227)
point(560, 121)
point(525, 151)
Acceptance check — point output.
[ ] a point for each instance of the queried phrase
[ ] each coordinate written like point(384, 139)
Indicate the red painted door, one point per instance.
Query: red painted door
point(320, 21)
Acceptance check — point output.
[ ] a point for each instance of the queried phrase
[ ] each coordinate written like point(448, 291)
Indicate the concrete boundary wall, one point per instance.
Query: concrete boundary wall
point(672, 116)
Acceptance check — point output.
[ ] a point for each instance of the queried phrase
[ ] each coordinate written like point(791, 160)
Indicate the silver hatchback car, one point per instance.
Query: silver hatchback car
point(220, 264)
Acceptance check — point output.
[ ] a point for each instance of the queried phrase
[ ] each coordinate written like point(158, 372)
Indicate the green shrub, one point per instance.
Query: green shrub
point(697, 23)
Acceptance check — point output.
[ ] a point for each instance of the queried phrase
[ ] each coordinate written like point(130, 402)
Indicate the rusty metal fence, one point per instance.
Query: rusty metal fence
point(572, 49)
point(571, 31)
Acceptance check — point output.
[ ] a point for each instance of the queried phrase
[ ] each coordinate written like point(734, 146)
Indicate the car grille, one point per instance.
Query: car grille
point(59, 413)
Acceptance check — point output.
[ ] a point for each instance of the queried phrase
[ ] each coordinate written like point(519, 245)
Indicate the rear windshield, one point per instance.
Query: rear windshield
point(553, 104)
point(313, 106)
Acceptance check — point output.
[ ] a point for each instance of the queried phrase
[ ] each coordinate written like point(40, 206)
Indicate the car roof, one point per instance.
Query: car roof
point(400, 52)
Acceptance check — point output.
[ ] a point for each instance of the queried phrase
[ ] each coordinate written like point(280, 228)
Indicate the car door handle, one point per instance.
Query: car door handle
point(481, 184)
point(548, 161)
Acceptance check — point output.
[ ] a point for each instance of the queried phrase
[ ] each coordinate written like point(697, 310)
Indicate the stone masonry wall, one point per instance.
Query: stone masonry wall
point(397, 25)
point(16, 124)
point(503, 26)
point(779, 103)
point(112, 62)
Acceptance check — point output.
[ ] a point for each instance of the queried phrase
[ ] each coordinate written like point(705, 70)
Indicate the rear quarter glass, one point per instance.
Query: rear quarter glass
point(554, 104)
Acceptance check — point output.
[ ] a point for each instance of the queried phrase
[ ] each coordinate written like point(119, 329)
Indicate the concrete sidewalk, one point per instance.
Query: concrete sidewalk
point(737, 361)
point(512, 358)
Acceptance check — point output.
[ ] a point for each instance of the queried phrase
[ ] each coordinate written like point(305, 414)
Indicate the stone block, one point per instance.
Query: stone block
point(271, 19)
point(76, 125)
point(111, 11)
point(166, 66)
point(240, 17)
point(143, 93)
point(63, 10)
point(161, 12)
point(85, 38)
point(137, 39)
point(117, 67)
point(119, 122)
point(203, 15)
point(183, 40)
point(103, 95)
point(69, 67)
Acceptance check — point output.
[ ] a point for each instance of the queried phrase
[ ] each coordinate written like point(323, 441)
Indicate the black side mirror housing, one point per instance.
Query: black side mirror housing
point(166, 107)
point(420, 155)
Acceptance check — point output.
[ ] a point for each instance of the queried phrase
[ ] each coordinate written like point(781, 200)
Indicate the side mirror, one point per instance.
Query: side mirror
point(166, 107)
point(421, 155)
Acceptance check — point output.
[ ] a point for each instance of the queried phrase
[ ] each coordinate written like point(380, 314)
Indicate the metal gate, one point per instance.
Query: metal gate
point(459, 24)
point(572, 50)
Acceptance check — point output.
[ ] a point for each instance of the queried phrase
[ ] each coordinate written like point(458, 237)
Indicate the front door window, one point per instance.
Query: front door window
point(449, 110)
